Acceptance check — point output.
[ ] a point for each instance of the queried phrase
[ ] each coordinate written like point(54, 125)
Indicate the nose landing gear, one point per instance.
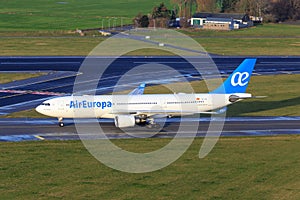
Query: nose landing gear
point(60, 122)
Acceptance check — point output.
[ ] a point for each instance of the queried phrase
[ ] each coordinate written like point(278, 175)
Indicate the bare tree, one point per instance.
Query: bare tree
point(286, 10)
point(179, 3)
point(209, 5)
point(251, 7)
point(185, 7)
point(295, 12)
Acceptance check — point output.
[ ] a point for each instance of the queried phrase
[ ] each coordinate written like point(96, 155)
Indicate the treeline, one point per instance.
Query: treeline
point(159, 17)
point(270, 10)
point(283, 10)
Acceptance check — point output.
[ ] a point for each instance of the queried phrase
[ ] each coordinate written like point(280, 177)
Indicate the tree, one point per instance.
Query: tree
point(144, 21)
point(228, 5)
point(286, 10)
point(161, 16)
point(185, 10)
point(141, 20)
point(209, 5)
point(294, 12)
point(251, 7)
point(179, 4)
point(271, 10)
point(161, 11)
point(185, 7)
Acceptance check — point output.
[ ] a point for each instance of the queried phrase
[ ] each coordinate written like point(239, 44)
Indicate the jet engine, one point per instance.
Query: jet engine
point(233, 98)
point(123, 121)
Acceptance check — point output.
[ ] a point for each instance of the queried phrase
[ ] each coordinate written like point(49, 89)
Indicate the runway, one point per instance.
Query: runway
point(47, 129)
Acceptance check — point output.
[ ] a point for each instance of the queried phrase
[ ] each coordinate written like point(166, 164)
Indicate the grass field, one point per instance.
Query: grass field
point(283, 97)
point(83, 46)
point(237, 168)
point(30, 15)
point(9, 77)
point(48, 46)
point(251, 46)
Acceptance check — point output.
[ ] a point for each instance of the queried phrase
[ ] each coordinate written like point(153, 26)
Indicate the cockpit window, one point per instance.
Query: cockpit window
point(45, 104)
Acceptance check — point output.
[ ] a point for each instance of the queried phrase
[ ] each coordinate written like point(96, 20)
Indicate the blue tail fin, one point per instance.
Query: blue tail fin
point(238, 81)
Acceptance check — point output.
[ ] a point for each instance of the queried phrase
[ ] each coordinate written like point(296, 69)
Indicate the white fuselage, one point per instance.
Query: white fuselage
point(108, 106)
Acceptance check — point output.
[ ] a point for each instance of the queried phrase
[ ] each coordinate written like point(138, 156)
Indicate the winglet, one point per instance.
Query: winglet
point(139, 90)
point(238, 81)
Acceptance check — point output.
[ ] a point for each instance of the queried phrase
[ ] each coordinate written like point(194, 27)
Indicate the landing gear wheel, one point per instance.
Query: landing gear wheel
point(60, 122)
point(156, 126)
point(151, 126)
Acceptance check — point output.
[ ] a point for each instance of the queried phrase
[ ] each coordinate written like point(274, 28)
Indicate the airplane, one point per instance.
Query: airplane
point(137, 108)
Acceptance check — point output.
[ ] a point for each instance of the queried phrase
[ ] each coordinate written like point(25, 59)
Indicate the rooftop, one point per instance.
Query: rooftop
point(237, 16)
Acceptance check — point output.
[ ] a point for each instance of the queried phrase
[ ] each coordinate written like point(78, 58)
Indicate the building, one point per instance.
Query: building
point(221, 21)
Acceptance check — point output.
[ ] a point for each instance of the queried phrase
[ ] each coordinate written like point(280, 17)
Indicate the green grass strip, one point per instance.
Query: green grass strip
point(9, 77)
point(237, 168)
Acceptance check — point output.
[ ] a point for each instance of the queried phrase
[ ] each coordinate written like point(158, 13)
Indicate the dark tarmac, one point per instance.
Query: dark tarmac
point(47, 129)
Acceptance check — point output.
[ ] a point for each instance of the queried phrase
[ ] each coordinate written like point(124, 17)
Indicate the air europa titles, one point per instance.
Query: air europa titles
point(90, 104)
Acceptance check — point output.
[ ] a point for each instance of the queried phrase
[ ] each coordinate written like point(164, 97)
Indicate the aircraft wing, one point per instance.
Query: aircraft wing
point(139, 90)
point(153, 113)
point(161, 113)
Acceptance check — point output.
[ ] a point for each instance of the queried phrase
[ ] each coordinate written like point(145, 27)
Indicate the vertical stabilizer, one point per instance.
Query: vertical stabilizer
point(238, 81)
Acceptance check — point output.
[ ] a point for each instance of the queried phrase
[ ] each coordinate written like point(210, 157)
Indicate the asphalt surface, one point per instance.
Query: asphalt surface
point(47, 129)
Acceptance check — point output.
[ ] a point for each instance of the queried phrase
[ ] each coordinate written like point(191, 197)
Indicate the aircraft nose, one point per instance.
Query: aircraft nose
point(39, 109)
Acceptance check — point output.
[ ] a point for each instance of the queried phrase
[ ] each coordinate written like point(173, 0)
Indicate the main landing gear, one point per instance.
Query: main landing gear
point(144, 120)
point(60, 122)
point(151, 124)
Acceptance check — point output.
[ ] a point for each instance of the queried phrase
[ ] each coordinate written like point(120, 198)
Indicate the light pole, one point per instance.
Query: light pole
point(121, 23)
point(109, 23)
point(114, 23)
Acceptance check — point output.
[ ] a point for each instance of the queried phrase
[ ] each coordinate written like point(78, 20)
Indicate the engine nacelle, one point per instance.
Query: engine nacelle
point(122, 121)
point(233, 98)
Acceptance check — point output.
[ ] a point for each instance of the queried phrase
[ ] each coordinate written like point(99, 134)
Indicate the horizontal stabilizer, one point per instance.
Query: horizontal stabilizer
point(233, 98)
